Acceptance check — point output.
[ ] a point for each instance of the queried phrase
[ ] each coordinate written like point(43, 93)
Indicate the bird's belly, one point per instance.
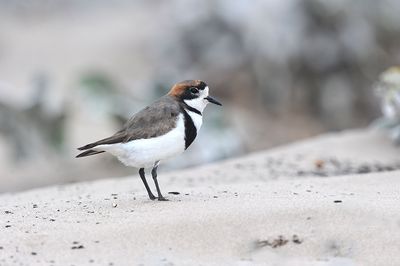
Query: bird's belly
point(145, 152)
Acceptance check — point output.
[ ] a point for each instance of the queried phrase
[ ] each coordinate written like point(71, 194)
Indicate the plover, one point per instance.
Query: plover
point(160, 131)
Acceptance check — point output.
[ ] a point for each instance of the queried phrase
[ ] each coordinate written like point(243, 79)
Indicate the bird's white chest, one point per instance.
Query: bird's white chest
point(145, 152)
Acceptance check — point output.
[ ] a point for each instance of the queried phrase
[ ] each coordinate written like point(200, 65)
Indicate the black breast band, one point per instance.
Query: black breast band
point(190, 129)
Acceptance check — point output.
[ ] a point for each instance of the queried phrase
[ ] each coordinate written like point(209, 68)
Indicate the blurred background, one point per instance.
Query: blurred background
point(72, 72)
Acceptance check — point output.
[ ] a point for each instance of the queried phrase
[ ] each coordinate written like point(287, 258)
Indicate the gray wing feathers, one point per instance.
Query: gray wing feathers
point(155, 120)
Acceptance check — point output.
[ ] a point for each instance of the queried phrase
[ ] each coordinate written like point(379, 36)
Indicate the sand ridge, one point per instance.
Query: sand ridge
point(230, 213)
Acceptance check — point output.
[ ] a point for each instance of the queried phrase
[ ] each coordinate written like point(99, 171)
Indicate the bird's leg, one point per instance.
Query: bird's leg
point(143, 177)
point(154, 174)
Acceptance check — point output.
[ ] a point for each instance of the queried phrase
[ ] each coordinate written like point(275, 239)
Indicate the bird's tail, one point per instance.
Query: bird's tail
point(88, 153)
point(116, 138)
point(88, 149)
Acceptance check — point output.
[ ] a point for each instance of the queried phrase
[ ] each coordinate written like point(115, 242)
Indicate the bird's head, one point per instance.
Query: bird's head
point(194, 93)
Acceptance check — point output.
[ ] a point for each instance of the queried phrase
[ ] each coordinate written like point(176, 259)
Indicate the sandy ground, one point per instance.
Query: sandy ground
point(331, 200)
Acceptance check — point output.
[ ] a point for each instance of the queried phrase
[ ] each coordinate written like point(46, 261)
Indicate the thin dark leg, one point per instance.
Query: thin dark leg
point(143, 177)
point(154, 174)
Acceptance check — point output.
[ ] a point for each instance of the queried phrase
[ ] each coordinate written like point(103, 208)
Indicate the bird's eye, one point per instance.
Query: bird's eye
point(194, 90)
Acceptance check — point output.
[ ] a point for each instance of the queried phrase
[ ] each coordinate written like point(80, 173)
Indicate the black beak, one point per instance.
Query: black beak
point(212, 100)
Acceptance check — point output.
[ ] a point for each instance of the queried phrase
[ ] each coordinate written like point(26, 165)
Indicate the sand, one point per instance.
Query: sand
point(331, 200)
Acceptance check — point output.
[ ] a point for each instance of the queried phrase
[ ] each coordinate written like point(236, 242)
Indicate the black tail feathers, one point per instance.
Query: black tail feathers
point(88, 153)
point(116, 138)
point(89, 146)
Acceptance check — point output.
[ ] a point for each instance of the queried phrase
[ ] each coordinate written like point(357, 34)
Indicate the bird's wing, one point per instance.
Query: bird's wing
point(153, 121)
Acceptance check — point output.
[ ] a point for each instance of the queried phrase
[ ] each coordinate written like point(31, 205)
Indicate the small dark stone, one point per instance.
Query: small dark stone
point(8, 226)
point(337, 201)
point(33, 253)
point(34, 206)
point(296, 239)
point(8, 212)
point(78, 247)
point(174, 193)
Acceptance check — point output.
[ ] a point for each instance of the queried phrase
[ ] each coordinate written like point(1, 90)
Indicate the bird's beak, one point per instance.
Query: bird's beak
point(212, 100)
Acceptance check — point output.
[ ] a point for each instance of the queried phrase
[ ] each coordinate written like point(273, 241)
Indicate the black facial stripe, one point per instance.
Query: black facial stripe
point(190, 129)
point(187, 95)
point(190, 108)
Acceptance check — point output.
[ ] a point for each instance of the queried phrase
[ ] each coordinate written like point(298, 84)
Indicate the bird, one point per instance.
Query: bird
point(160, 131)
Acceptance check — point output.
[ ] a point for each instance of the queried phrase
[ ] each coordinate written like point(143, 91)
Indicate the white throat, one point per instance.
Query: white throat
point(199, 103)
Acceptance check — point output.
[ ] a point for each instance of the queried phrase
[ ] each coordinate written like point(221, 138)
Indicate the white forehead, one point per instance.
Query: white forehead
point(205, 91)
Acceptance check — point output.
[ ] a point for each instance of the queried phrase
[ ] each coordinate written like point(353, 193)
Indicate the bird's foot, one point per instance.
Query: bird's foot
point(152, 197)
point(162, 199)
